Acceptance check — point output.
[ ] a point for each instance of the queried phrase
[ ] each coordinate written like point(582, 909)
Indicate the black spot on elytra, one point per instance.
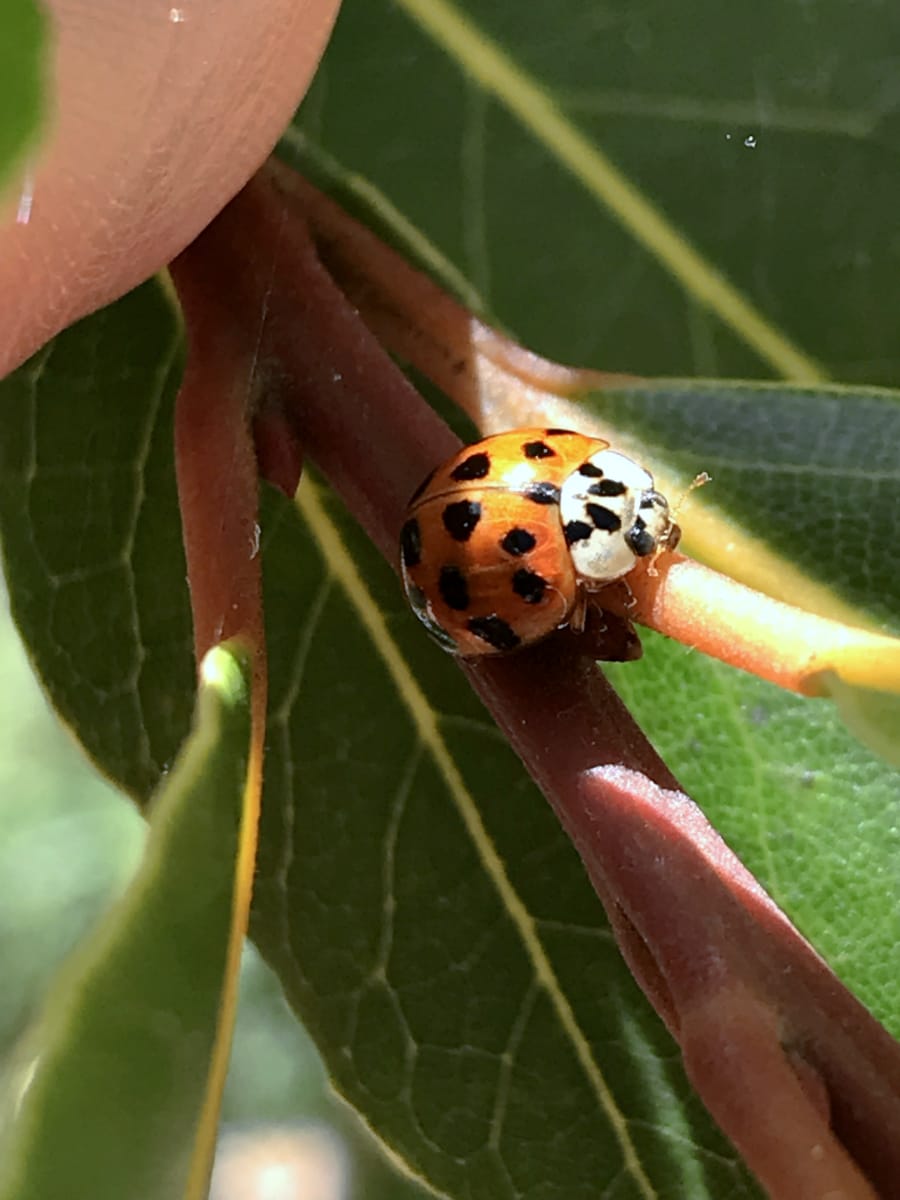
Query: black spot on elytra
point(460, 519)
point(411, 543)
point(495, 631)
point(640, 540)
point(476, 466)
point(577, 531)
point(608, 487)
point(591, 471)
point(518, 542)
point(556, 432)
point(538, 450)
point(542, 493)
point(422, 486)
point(453, 588)
point(603, 518)
point(529, 585)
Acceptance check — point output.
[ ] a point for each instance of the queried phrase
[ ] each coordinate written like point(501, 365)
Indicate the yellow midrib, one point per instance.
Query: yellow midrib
point(534, 108)
point(345, 572)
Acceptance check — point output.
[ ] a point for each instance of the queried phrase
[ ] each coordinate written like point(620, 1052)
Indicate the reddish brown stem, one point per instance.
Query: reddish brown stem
point(216, 467)
point(501, 384)
point(800, 1076)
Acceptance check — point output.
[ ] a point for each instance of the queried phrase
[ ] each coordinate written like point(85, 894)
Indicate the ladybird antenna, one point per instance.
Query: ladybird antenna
point(698, 481)
point(673, 534)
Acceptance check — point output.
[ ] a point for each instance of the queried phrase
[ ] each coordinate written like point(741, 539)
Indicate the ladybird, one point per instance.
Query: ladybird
point(502, 543)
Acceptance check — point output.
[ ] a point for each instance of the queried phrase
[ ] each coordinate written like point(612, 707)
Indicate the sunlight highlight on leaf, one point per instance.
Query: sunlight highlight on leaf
point(497, 73)
point(346, 573)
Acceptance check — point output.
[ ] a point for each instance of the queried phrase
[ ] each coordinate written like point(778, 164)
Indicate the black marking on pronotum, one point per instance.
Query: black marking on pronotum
point(495, 631)
point(542, 493)
point(411, 543)
point(453, 588)
point(476, 466)
point(538, 450)
point(518, 542)
point(640, 540)
point(422, 486)
point(529, 585)
point(556, 432)
point(577, 531)
point(590, 470)
point(608, 487)
point(603, 518)
point(460, 519)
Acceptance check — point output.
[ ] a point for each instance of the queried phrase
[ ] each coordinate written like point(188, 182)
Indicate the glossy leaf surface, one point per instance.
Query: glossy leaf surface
point(438, 1003)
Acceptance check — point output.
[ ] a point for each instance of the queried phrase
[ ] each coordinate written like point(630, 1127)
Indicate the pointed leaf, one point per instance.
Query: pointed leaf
point(116, 1089)
point(564, 264)
point(89, 516)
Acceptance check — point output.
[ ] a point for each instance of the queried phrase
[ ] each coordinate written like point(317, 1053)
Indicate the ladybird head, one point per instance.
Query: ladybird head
point(612, 515)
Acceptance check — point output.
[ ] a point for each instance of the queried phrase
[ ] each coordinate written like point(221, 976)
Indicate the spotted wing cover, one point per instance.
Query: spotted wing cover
point(511, 460)
point(483, 556)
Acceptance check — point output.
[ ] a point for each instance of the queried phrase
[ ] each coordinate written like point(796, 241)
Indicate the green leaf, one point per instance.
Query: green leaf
point(22, 54)
point(423, 1016)
point(433, 925)
point(380, 901)
point(115, 1085)
point(810, 811)
point(90, 530)
point(798, 470)
point(760, 137)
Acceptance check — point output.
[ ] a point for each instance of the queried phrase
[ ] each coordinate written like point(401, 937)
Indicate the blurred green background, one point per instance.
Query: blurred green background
point(69, 843)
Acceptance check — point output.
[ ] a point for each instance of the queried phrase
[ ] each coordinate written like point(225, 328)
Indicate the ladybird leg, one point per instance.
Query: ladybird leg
point(578, 615)
point(668, 542)
point(620, 641)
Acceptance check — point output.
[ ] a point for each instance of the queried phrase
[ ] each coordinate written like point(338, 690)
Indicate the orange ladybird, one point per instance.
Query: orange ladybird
point(502, 543)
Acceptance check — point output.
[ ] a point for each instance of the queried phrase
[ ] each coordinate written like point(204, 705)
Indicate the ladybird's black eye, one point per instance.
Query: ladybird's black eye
point(476, 466)
point(640, 539)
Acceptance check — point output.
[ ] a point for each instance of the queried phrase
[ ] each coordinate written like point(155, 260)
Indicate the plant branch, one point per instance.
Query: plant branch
point(500, 384)
point(794, 1069)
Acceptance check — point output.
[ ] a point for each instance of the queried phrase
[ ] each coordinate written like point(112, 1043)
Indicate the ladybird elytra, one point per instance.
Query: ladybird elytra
point(501, 543)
